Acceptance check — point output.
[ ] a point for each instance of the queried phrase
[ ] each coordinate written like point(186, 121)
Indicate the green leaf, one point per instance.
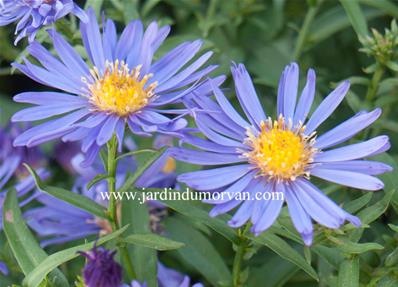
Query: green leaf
point(130, 10)
point(148, 6)
point(392, 258)
point(153, 241)
point(95, 4)
point(355, 205)
point(75, 199)
point(332, 21)
point(282, 271)
point(48, 264)
point(385, 6)
point(356, 16)
point(371, 213)
point(284, 250)
point(199, 252)
point(23, 244)
point(96, 179)
point(141, 169)
point(393, 227)
point(144, 259)
point(332, 256)
point(135, 152)
point(349, 273)
point(187, 208)
point(355, 248)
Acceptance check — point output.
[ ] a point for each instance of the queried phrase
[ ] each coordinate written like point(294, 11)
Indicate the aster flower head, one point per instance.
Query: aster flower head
point(122, 84)
point(101, 268)
point(31, 15)
point(280, 155)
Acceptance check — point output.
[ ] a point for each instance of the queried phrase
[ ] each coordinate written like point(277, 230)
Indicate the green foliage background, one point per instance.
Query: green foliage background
point(267, 35)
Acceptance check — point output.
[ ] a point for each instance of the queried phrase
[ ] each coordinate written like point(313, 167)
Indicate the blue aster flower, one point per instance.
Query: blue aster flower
point(264, 155)
point(168, 277)
point(57, 222)
point(31, 15)
point(101, 268)
point(122, 84)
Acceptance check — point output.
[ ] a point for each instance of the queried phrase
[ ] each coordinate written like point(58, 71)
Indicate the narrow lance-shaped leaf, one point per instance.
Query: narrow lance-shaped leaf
point(48, 264)
point(357, 19)
point(284, 250)
point(355, 248)
point(24, 246)
point(96, 179)
point(75, 199)
point(153, 241)
point(199, 252)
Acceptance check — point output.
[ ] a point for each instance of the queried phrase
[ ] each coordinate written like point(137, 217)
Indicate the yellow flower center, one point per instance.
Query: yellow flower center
point(119, 90)
point(279, 151)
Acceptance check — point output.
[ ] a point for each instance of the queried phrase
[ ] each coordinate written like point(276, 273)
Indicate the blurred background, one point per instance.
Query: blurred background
point(336, 38)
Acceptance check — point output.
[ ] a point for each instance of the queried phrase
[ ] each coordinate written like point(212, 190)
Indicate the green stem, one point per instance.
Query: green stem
point(113, 209)
point(112, 164)
point(309, 17)
point(239, 256)
point(374, 83)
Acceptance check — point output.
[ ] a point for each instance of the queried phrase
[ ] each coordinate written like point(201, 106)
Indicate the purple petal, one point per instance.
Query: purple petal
point(107, 130)
point(214, 178)
point(207, 145)
point(147, 50)
point(347, 129)
point(243, 214)
point(318, 206)
point(301, 220)
point(304, 190)
point(93, 120)
point(224, 207)
point(182, 75)
point(92, 40)
point(354, 151)
point(68, 55)
point(204, 158)
point(232, 191)
point(247, 95)
point(306, 98)
point(290, 88)
point(349, 178)
point(214, 136)
point(131, 36)
point(48, 98)
point(270, 214)
point(327, 107)
point(43, 112)
point(49, 130)
point(360, 166)
point(228, 109)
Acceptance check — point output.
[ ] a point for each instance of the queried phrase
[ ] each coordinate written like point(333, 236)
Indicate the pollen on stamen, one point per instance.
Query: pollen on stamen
point(279, 150)
point(119, 90)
